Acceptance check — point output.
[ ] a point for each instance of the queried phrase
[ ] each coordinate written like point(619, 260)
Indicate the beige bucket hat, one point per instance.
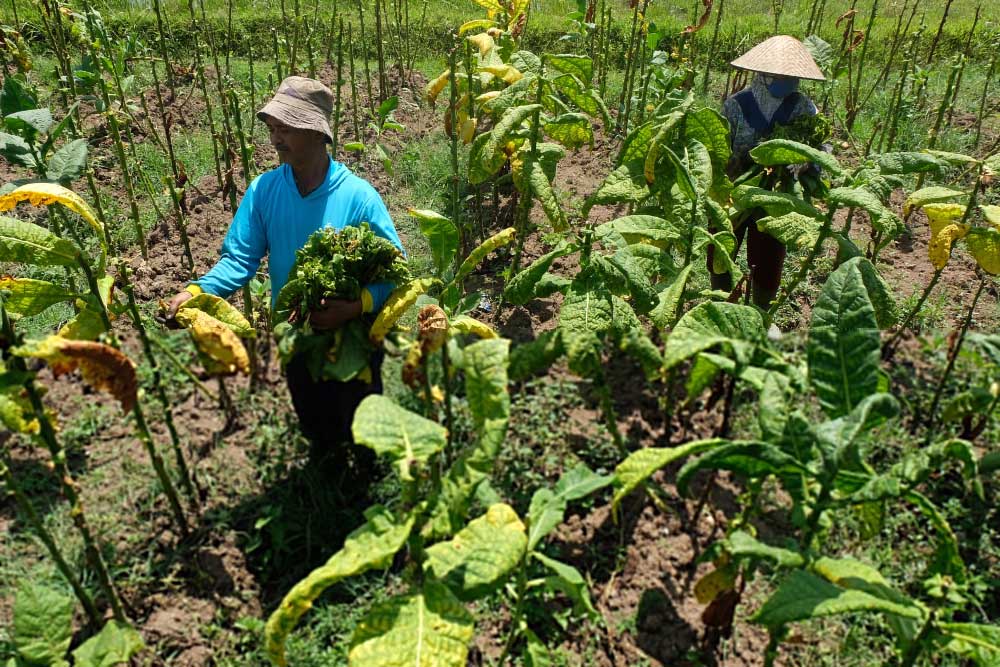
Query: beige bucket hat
point(301, 103)
point(782, 56)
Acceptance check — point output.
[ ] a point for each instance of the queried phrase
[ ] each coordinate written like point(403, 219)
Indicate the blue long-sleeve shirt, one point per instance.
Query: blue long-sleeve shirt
point(274, 219)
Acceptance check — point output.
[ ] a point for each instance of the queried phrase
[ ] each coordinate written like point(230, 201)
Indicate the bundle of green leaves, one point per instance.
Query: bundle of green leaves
point(813, 130)
point(334, 264)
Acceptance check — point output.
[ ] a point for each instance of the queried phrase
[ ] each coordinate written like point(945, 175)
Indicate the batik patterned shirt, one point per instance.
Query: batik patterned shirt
point(743, 136)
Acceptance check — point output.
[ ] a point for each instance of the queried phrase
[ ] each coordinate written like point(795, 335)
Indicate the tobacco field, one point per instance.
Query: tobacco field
point(586, 454)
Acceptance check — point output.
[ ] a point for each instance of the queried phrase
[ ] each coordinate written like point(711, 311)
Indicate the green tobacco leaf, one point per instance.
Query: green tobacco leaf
point(87, 324)
point(748, 458)
point(839, 437)
point(743, 545)
point(114, 645)
point(580, 66)
point(844, 343)
point(43, 624)
point(683, 178)
point(973, 641)
point(774, 410)
point(880, 295)
point(623, 275)
point(794, 230)
point(33, 120)
point(855, 575)
point(586, 314)
point(28, 243)
point(626, 184)
point(709, 127)
point(786, 151)
point(537, 355)
point(583, 97)
point(28, 297)
point(637, 344)
point(956, 159)
point(487, 155)
point(714, 323)
point(485, 365)
point(906, 162)
point(656, 231)
point(666, 309)
point(16, 95)
point(536, 654)
point(542, 190)
point(69, 162)
point(568, 580)
point(803, 595)
point(521, 288)
point(549, 505)
point(373, 545)
point(640, 465)
point(572, 130)
point(932, 195)
point(637, 143)
point(441, 235)
point(481, 555)
point(427, 628)
point(405, 437)
point(882, 218)
point(223, 311)
point(746, 197)
point(526, 61)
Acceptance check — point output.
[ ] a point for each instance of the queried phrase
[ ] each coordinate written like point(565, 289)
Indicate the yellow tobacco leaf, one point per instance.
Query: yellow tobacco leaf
point(413, 372)
point(398, 303)
point(713, 583)
point(508, 73)
point(221, 351)
point(488, 97)
point(437, 394)
point(483, 42)
point(992, 214)
point(103, 367)
point(468, 130)
point(435, 87)
point(984, 246)
point(475, 24)
point(46, 194)
point(467, 325)
point(944, 231)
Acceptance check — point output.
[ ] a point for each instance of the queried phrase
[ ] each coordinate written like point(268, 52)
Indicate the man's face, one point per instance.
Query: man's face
point(291, 141)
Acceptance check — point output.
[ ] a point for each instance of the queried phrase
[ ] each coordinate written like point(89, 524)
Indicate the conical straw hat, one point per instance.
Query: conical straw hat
point(783, 56)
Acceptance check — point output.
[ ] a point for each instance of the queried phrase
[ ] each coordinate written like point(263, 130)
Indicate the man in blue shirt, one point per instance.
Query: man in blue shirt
point(278, 213)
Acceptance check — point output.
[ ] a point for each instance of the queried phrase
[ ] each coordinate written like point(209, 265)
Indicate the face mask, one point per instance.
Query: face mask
point(782, 87)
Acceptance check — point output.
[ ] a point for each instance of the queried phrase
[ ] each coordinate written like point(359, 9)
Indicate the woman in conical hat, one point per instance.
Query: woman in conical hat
point(771, 99)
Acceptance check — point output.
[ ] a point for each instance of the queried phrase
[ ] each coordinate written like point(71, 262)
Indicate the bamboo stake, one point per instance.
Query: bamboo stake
point(354, 87)
point(164, 53)
point(368, 76)
point(337, 88)
point(712, 46)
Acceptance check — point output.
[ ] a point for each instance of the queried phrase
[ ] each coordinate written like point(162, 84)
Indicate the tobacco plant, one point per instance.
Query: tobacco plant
point(42, 633)
point(822, 466)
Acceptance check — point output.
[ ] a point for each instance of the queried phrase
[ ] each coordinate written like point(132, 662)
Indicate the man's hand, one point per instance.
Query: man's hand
point(332, 313)
point(175, 303)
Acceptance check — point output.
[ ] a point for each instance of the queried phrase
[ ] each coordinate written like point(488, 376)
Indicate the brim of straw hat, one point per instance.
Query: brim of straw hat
point(780, 56)
point(294, 116)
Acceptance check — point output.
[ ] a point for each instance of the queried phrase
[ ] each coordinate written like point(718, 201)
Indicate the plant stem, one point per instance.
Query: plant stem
point(890, 348)
point(785, 294)
point(338, 84)
point(184, 368)
point(161, 393)
point(456, 204)
point(952, 358)
point(448, 420)
point(25, 505)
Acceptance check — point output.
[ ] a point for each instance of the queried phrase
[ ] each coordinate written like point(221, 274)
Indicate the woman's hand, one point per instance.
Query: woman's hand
point(333, 313)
